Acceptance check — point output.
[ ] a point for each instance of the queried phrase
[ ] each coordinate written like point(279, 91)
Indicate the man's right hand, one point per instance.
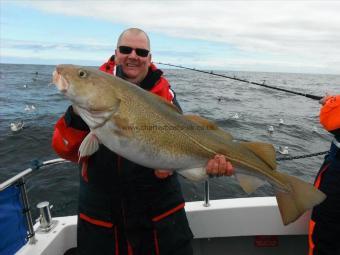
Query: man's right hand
point(324, 99)
point(162, 174)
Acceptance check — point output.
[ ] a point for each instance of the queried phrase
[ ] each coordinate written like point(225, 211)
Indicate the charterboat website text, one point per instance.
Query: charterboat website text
point(165, 128)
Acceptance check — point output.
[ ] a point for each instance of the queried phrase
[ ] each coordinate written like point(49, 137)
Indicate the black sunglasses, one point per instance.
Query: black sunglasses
point(139, 52)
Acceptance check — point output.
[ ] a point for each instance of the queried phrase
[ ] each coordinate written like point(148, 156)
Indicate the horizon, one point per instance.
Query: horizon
point(184, 68)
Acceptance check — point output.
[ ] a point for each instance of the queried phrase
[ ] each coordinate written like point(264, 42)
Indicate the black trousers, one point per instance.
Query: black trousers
point(168, 236)
point(326, 216)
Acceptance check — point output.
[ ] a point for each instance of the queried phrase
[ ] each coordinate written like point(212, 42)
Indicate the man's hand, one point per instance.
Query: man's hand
point(219, 166)
point(162, 174)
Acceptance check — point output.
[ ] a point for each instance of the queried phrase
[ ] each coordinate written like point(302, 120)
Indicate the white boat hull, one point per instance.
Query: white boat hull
point(229, 226)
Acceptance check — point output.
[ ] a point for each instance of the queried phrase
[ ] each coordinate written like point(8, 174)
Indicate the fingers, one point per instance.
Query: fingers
point(219, 166)
point(162, 174)
point(325, 99)
point(230, 169)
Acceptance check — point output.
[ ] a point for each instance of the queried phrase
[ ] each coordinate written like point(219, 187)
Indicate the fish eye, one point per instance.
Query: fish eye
point(82, 74)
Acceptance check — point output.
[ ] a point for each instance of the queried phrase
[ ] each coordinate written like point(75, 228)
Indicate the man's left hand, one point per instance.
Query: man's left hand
point(219, 166)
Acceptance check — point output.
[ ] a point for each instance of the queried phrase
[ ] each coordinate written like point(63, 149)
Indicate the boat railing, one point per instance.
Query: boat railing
point(19, 181)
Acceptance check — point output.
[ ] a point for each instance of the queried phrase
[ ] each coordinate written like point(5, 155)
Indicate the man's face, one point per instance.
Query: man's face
point(134, 67)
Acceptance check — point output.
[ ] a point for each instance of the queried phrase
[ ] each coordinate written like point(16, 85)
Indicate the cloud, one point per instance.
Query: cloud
point(19, 51)
point(222, 21)
point(299, 31)
point(45, 46)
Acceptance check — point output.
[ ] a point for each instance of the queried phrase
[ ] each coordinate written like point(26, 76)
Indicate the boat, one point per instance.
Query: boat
point(238, 226)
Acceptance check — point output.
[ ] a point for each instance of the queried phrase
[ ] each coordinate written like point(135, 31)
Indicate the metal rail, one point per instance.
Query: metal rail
point(19, 180)
point(206, 193)
point(15, 179)
point(36, 165)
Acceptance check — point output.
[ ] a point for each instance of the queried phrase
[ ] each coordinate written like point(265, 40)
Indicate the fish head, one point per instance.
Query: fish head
point(93, 93)
point(86, 87)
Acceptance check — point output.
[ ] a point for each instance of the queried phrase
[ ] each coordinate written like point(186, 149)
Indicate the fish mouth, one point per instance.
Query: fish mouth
point(60, 81)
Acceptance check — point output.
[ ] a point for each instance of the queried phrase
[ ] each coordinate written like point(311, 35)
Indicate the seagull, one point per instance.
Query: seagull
point(281, 122)
point(271, 129)
point(236, 116)
point(30, 108)
point(283, 150)
point(15, 127)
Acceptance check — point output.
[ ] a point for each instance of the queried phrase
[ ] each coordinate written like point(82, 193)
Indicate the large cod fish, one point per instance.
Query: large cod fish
point(148, 130)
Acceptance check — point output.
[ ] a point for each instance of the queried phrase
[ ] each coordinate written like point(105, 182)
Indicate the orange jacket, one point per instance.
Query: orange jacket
point(330, 113)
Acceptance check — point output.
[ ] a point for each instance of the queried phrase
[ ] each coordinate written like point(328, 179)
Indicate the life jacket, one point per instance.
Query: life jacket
point(324, 226)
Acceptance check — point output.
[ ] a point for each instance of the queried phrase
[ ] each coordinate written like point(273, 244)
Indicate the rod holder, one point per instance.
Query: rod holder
point(45, 218)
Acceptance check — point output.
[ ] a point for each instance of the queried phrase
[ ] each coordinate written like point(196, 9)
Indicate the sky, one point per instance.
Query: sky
point(244, 35)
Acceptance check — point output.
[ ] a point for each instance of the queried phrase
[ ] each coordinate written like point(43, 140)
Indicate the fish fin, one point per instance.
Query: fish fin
point(89, 145)
point(122, 126)
point(209, 125)
point(194, 174)
point(167, 103)
point(223, 134)
point(201, 121)
point(249, 183)
point(265, 151)
point(95, 119)
point(300, 198)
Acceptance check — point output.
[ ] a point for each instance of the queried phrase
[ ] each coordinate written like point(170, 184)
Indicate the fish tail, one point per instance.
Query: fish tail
point(301, 197)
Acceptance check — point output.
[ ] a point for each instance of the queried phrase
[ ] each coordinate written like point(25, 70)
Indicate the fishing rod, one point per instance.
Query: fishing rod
point(263, 85)
point(243, 80)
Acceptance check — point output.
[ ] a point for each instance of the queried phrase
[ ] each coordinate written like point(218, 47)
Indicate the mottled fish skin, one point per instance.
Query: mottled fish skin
point(146, 121)
point(150, 131)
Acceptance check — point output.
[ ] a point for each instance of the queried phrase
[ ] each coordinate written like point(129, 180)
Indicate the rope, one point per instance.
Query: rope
point(303, 156)
point(36, 164)
point(242, 80)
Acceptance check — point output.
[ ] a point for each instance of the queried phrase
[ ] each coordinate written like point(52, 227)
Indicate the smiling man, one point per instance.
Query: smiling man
point(133, 55)
point(126, 208)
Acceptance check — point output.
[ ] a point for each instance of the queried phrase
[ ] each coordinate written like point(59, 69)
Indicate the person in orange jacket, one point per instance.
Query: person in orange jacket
point(125, 208)
point(324, 226)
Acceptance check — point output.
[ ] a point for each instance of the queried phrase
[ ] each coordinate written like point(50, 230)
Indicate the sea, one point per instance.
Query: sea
point(244, 110)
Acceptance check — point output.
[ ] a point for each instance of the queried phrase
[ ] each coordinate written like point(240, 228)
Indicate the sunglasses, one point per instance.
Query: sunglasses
point(139, 52)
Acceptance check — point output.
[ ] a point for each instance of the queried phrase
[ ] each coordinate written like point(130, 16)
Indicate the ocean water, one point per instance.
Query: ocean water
point(244, 110)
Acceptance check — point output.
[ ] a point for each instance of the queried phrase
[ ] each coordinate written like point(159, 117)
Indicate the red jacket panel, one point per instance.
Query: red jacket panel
point(66, 140)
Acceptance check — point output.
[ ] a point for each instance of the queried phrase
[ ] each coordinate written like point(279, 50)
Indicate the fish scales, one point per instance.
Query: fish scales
point(146, 129)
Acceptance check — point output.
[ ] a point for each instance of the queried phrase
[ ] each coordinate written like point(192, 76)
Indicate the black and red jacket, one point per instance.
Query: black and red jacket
point(324, 226)
point(113, 190)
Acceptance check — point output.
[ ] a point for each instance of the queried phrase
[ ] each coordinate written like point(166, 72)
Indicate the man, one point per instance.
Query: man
point(324, 227)
point(125, 208)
